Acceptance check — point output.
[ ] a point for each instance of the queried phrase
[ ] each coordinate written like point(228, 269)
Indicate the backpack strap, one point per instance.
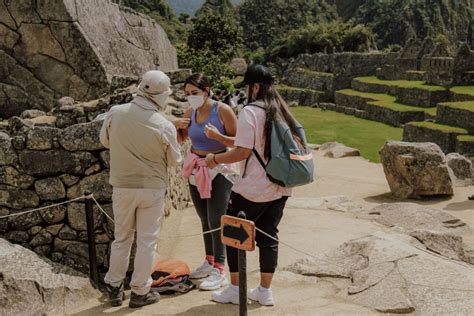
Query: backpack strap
point(255, 152)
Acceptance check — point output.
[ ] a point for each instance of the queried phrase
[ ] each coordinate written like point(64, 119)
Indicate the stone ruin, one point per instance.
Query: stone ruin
point(435, 64)
point(55, 48)
point(48, 158)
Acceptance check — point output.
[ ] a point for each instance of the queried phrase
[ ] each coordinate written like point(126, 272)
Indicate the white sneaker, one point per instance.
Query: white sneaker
point(262, 297)
point(214, 281)
point(202, 271)
point(229, 295)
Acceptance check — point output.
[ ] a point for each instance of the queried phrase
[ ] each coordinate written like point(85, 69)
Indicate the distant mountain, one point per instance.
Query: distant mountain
point(190, 6)
point(395, 21)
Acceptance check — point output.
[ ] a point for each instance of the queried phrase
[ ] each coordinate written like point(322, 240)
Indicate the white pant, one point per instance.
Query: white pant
point(140, 210)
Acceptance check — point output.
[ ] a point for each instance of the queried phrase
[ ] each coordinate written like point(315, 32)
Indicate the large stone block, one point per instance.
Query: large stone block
point(97, 184)
point(41, 138)
point(16, 198)
point(11, 176)
point(76, 214)
point(50, 189)
point(55, 162)
point(415, 169)
point(82, 137)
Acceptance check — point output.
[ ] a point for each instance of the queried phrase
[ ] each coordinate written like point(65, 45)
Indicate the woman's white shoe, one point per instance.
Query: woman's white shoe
point(202, 271)
point(264, 297)
point(214, 281)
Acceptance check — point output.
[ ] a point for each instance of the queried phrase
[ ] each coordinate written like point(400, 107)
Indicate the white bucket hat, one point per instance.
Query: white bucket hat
point(155, 86)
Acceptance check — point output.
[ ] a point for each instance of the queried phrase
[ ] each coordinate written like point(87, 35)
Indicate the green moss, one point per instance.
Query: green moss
point(314, 73)
point(469, 90)
point(365, 135)
point(466, 138)
point(387, 101)
point(288, 88)
point(440, 127)
point(465, 105)
point(400, 83)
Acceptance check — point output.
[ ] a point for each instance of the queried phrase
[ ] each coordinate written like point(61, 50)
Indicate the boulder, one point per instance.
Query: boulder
point(30, 285)
point(97, 184)
point(74, 48)
point(55, 162)
point(337, 150)
point(414, 170)
point(41, 138)
point(82, 137)
point(50, 189)
point(394, 273)
point(7, 154)
point(461, 167)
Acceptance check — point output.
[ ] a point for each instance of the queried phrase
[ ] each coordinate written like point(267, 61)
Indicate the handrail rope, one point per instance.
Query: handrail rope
point(45, 207)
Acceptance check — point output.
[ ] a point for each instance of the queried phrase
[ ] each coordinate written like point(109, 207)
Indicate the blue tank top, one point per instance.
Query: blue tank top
point(196, 131)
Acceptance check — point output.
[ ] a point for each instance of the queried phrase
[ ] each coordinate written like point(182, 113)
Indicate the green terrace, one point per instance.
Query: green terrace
point(313, 72)
point(387, 101)
point(400, 83)
point(464, 105)
point(467, 90)
point(440, 127)
point(466, 138)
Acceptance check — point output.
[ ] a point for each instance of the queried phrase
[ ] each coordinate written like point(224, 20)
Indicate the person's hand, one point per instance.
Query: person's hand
point(212, 132)
point(181, 123)
point(210, 162)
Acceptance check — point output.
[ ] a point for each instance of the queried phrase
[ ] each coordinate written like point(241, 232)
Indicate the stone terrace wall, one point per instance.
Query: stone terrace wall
point(344, 66)
point(55, 48)
point(42, 164)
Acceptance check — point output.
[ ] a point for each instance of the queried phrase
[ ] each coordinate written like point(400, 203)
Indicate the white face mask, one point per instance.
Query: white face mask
point(196, 101)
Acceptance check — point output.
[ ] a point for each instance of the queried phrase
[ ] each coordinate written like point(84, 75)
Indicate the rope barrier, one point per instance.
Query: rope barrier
point(91, 196)
point(45, 207)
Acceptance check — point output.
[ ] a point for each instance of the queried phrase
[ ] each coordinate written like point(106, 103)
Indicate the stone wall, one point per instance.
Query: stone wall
point(50, 158)
point(343, 67)
point(56, 48)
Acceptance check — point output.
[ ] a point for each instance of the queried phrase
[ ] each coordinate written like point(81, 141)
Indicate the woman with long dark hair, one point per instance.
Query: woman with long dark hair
point(211, 126)
point(262, 200)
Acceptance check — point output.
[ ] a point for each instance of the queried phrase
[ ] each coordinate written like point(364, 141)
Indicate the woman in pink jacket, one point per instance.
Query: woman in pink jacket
point(211, 126)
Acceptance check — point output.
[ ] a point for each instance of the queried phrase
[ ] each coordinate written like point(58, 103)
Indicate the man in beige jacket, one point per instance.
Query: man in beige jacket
point(142, 145)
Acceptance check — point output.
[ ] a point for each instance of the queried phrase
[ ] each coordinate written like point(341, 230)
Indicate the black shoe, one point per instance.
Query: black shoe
point(116, 294)
point(471, 198)
point(136, 300)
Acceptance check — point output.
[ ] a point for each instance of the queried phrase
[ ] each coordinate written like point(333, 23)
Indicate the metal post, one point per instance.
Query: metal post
point(242, 277)
point(93, 272)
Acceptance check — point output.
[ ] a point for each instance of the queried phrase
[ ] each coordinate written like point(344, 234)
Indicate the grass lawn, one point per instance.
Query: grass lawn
point(465, 105)
point(387, 101)
point(440, 127)
point(327, 126)
point(401, 83)
point(469, 90)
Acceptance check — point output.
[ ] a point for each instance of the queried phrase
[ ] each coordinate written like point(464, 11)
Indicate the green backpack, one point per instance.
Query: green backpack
point(291, 163)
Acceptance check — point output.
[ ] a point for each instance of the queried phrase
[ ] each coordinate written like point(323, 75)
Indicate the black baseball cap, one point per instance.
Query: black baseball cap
point(256, 74)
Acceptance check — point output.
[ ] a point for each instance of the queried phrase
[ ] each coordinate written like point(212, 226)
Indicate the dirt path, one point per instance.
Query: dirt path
point(313, 231)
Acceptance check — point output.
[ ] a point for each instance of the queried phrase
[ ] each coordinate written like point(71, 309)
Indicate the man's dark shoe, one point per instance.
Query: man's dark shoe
point(136, 300)
point(471, 198)
point(116, 294)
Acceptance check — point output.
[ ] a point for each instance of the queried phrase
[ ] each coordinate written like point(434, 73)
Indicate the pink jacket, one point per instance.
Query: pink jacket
point(201, 176)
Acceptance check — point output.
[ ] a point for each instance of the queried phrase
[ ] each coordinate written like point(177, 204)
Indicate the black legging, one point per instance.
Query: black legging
point(266, 216)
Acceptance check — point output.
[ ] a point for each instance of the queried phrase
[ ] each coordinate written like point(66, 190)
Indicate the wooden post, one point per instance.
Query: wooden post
point(242, 276)
point(93, 271)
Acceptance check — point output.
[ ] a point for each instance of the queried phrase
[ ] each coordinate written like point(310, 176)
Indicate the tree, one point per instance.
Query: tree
point(216, 34)
point(217, 7)
point(263, 21)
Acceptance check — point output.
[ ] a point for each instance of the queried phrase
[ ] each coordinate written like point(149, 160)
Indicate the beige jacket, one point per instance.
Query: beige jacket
point(142, 143)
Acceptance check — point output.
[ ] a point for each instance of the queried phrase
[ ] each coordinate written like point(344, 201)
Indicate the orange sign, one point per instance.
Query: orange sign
point(238, 233)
